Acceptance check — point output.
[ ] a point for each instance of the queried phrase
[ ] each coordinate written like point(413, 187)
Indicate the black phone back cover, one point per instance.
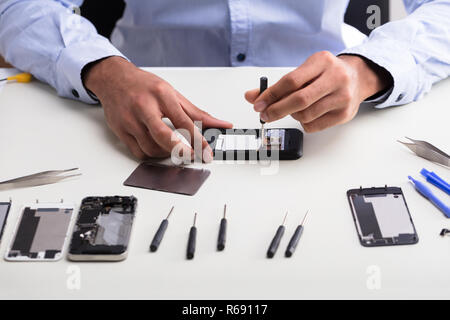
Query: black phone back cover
point(381, 216)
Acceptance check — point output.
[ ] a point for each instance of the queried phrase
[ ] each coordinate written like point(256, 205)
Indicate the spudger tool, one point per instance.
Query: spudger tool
point(160, 233)
point(37, 179)
point(427, 193)
point(222, 231)
point(435, 180)
point(427, 151)
point(295, 237)
point(262, 88)
point(192, 240)
point(276, 239)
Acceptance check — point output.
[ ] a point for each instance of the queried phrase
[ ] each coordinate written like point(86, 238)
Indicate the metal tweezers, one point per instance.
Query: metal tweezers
point(38, 179)
point(428, 151)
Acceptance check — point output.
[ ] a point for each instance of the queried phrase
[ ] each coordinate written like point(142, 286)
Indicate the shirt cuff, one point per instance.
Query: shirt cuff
point(398, 62)
point(382, 98)
point(72, 61)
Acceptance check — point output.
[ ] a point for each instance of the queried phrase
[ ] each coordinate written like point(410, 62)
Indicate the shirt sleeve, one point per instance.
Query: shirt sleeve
point(49, 40)
point(415, 50)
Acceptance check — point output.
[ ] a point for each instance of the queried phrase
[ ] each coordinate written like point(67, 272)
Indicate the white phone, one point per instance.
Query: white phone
point(41, 232)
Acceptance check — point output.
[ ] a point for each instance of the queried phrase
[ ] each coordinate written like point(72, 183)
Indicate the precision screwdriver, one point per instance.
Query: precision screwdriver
point(262, 88)
point(160, 233)
point(222, 231)
point(276, 239)
point(295, 238)
point(192, 240)
point(21, 77)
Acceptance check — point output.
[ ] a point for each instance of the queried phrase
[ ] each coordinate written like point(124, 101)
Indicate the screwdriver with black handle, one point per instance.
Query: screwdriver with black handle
point(276, 239)
point(192, 240)
point(262, 87)
point(295, 238)
point(222, 231)
point(160, 233)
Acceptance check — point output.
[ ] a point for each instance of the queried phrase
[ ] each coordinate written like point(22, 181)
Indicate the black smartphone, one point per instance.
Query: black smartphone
point(251, 144)
point(103, 228)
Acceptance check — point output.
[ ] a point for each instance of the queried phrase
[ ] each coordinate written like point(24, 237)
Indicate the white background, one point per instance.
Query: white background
point(397, 9)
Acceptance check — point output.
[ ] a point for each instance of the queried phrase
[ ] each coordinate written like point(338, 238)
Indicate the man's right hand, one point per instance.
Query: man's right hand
point(135, 101)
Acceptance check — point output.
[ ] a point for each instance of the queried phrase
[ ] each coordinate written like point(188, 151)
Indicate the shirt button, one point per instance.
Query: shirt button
point(240, 57)
point(400, 97)
point(75, 93)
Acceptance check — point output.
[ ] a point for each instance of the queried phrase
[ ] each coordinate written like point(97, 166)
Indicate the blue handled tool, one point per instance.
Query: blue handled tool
point(426, 192)
point(434, 179)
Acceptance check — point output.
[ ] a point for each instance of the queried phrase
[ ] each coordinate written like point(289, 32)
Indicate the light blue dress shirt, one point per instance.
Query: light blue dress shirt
point(47, 39)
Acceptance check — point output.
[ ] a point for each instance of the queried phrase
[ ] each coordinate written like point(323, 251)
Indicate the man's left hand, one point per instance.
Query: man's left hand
point(324, 91)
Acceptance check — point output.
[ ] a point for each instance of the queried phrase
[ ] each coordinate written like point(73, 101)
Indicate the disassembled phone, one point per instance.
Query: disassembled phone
point(4, 211)
point(381, 216)
point(41, 233)
point(103, 228)
point(247, 144)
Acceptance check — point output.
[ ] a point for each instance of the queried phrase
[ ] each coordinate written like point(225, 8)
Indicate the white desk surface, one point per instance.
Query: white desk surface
point(40, 131)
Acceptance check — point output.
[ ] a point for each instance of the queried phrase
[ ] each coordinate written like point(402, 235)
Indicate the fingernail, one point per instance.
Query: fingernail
point(260, 106)
point(207, 155)
point(263, 116)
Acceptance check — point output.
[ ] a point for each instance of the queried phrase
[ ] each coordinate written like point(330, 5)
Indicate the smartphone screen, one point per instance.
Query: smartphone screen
point(250, 140)
point(227, 142)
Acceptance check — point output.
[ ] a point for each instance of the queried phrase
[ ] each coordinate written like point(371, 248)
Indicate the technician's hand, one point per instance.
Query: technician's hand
point(135, 101)
point(325, 91)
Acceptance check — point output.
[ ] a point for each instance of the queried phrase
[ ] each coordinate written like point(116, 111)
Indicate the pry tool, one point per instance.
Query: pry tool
point(428, 194)
point(276, 239)
point(160, 232)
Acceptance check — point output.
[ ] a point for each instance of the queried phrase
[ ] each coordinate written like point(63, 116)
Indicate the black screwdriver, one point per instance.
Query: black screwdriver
point(295, 238)
point(276, 239)
point(222, 231)
point(160, 233)
point(262, 88)
point(192, 240)
point(263, 83)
